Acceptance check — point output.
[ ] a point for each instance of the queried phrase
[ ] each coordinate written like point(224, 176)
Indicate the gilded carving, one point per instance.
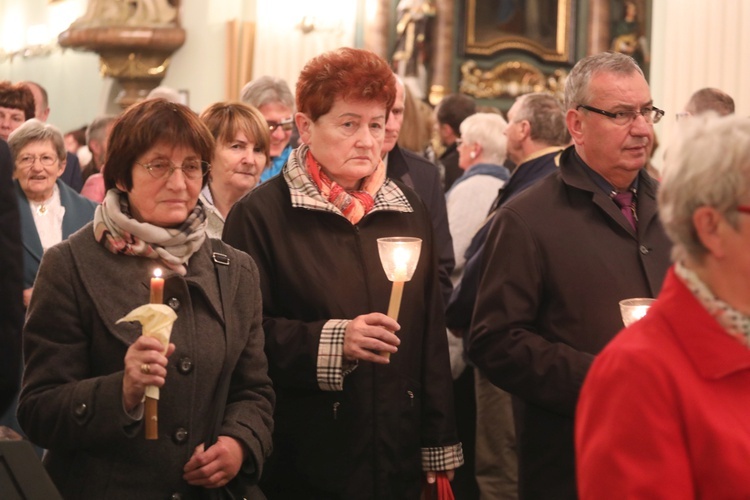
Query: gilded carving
point(509, 79)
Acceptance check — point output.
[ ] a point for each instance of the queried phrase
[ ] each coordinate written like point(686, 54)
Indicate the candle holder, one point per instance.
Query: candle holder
point(634, 309)
point(399, 257)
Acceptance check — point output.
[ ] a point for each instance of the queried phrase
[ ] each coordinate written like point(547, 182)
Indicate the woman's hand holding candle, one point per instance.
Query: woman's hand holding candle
point(144, 351)
point(368, 336)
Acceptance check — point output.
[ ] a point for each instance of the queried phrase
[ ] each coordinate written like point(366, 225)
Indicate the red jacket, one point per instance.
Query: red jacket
point(665, 410)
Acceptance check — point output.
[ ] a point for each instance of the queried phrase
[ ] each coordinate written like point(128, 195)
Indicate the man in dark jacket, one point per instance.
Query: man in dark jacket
point(536, 134)
point(422, 176)
point(559, 258)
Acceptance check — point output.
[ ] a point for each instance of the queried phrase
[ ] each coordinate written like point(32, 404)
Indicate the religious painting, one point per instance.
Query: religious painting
point(544, 28)
point(629, 30)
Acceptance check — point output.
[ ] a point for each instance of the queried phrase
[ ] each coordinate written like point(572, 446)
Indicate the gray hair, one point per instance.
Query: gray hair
point(168, 93)
point(34, 130)
point(706, 166)
point(577, 83)
point(98, 127)
point(546, 117)
point(486, 129)
point(267, 90)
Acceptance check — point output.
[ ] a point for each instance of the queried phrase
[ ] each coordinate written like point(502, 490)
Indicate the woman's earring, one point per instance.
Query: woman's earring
point(472, 155)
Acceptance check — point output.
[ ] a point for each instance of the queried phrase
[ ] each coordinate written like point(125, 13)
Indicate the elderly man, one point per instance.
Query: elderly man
point(422, 176)
point(663, 411)
point(559, 258)
point(709, 99)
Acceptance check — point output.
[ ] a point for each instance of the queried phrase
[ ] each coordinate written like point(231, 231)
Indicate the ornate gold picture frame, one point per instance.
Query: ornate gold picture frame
point(544, 28)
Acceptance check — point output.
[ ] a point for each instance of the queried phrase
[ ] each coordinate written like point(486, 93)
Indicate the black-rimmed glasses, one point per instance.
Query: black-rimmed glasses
point(650, 114)
point(191, 169)
point(286, 125)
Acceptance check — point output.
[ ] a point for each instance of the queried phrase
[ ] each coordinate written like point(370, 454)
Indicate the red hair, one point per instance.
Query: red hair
point(346, 73)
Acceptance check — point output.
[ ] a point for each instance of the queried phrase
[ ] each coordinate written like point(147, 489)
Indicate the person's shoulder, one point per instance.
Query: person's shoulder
point(416, 161)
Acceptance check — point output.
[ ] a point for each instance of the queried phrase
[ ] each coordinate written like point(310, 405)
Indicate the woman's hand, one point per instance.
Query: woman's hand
point(146, 351)
point(27, 297)
point(216, 466)
point(369, 336)
point(431, 476)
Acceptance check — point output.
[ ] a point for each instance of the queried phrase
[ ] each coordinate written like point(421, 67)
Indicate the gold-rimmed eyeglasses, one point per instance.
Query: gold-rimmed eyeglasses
point(191, 169)
point(651, 114)
point(27, 161)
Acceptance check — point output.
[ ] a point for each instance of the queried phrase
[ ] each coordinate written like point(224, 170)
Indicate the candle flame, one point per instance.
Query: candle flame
point(157, 273)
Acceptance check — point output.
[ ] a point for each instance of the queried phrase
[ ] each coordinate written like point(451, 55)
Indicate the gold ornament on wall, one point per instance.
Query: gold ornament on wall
point(509, 79)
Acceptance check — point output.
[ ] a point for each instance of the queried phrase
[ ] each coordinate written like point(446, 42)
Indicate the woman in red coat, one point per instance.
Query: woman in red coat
point(664, 410)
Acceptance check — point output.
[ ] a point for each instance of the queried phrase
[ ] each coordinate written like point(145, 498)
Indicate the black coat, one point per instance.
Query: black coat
point(559, 258)
point(363, 441)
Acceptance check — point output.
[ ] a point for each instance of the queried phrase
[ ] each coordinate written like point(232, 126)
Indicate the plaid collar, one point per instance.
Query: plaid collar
point(732, 320)
point(305, 194)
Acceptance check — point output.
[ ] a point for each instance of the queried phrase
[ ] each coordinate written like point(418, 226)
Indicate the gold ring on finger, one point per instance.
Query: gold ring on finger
point(145, 368)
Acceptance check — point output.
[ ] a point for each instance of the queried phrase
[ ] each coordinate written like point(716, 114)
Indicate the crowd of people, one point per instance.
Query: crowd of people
point(506, 370)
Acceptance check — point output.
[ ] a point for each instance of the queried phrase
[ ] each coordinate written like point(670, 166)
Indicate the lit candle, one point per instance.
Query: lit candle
point(157, 288)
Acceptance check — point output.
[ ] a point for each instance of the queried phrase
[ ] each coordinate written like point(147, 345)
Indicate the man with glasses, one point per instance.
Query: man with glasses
point(272, 97)
point(558, 259)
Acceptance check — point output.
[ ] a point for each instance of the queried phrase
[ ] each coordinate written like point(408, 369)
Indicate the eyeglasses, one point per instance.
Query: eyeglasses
point(459, 142)
point(191, 169)
point(27, 161)
point(286, 125)
point(682, 116)
point(651, 114)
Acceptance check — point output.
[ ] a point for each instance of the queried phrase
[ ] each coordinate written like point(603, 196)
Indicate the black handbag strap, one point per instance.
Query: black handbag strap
point(219, 403)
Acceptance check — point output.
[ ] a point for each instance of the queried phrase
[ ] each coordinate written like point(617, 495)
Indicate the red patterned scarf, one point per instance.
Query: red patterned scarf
point(353, 204)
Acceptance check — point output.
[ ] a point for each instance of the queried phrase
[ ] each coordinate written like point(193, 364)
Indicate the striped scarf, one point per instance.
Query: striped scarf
point(116, 229)
point(353, 204)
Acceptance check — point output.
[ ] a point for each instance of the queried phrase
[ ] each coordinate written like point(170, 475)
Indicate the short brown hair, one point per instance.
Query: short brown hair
point(145, 124)
point(17, 96)
point(225, 119)
point(346, 73)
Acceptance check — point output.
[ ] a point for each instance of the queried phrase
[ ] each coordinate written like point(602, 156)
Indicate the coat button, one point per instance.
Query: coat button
point(81, 410)
point(180, 435)
point(174, 303)
point(644, 250)
point(175, 496)
point(185, 365)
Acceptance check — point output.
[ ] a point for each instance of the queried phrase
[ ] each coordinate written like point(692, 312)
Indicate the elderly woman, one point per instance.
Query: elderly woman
point(272, 97)
point(351, 421)
point(663, 411)
point(240, 155)
point(50, 210)
point(86, 373)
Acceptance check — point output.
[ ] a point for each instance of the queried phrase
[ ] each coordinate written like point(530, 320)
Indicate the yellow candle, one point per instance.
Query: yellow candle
point(157, 288)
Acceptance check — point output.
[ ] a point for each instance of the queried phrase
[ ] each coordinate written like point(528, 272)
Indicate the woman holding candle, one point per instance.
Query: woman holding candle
point(663, 410)
point(351, 422)
point(241, 153)
point(86, 374)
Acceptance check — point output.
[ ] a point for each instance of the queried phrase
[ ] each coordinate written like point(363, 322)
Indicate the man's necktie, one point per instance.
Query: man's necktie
point(627, 206)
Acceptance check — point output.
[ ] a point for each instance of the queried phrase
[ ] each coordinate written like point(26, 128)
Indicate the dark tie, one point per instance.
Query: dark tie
point(627, 207)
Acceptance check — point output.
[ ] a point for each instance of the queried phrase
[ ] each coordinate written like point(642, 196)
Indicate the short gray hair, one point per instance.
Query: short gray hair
point(706, 166)
point(577, 83)
point(546, 117)
point(486, 129)
point(98, 127)
point(34, 130)
point(267, 90)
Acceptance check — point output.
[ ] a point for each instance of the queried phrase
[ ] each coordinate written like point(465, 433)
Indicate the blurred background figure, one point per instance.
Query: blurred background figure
point(16, 106)
point(97, 137)
point(272, 97)
point(351, 422)
point(75, 142)
point(452, 110)
point(72, 174)
point(167, 93)
point(241, 152)
point(708, 99)
point(662, 410)
point(86, 373)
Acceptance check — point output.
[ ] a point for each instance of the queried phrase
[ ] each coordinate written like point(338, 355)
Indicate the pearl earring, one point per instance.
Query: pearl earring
point(472, 155)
